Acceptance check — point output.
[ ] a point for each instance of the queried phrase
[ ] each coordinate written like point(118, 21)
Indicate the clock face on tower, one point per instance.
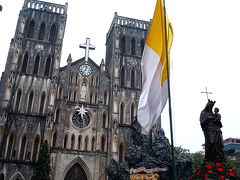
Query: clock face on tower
point(85, 70)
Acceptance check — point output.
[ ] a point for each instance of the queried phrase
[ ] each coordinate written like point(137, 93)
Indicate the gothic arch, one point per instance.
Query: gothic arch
point(18, 100)
point(81, 163)
point(57, 116)
point(104, 120)
point(103, 143)
point(10, 145)
point(73, 141)
point(122, 78)
point(133, 77)
point(53, 33)
point(105, 97)
point(93, 144)
point(42, 103)
point(60, 91)
point(30, 102)
point(23, 146)
point(54, 139)
point(122, 113)
point(17, 176)
point(133, 111)
point(48, 66)
point(30, 31)
point(79, 141)
point(123, 44)
point(35, 149)
point(42, 31)
point(133, 46)
point(25, 62)
point(36, 65)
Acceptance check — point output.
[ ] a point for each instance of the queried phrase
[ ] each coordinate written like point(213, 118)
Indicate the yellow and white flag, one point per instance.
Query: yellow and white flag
point(154, 93)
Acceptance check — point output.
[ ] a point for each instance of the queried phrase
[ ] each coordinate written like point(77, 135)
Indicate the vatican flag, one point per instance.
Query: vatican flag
point(154, 93)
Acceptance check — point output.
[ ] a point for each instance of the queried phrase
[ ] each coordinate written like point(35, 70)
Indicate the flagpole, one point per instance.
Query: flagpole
point(169, 94)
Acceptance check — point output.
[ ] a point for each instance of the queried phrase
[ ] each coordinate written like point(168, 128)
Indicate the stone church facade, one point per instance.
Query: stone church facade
point(85, 114)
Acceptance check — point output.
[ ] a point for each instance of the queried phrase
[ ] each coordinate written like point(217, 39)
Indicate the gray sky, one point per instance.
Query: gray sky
point(205, 52)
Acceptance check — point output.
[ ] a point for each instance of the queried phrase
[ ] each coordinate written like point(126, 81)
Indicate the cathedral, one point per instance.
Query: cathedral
point(84, 110)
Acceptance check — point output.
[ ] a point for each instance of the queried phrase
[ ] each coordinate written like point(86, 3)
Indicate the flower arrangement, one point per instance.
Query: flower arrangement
point(217, 171)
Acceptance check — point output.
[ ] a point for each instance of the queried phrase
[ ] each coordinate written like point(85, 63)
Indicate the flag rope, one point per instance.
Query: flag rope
point(169, 93)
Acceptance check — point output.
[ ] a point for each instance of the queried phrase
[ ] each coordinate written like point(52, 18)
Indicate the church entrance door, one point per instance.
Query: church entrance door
point(76, 172)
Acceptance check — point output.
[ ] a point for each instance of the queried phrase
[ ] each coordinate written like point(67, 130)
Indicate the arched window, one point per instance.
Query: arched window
point(30, 31)
point(30, 102)
point(72, 141)
point(86, 143)
point(76, 79)
point(65, 141)
point(71, 79)
point(97, 81)
point(121, 153)
point(105, 99)
point(122, 107)
point(23, 147)
point(74, 96)
point(42, 102)
point(57, 115)
point(142, 46)
point(123, 76)
point(133, 47)
point(60, 92)
point(36, 65)
point(133, 78)
point(25, 63)
point(103, 141)
point(132, 111)
point(53, 33)
point(54, 140)
point(91, 98)
point(35, 148)
point(18, 100)
point(9, 148)
point(104, 122)
point(123, 45)
point(79, 141)
point(93, 143)
point(96, 97)
point(69, 95)
point(48, 67)
point(41, 31)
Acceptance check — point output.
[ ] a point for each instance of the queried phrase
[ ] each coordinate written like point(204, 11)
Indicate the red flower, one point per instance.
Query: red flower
point(197, 171)
point(222, 178)
point(209, 172)
point(205, 176)
point(208, 166)
point(220, 169)
point(231, 174)
point(218, 164)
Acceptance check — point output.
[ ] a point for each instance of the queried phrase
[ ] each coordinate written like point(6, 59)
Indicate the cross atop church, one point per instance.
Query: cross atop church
point(206, 92)
point(87, 46)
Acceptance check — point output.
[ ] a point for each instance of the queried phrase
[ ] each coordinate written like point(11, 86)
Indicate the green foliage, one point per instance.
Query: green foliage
point(43, 168)
point(234, 163)
point(197, 158)
point(183, 152)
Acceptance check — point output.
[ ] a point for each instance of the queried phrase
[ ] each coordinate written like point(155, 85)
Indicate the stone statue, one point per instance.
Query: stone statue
point(211, 126)
point(83, 92)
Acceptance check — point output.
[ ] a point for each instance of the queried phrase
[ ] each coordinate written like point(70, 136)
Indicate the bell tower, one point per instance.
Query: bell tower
point(35, 50)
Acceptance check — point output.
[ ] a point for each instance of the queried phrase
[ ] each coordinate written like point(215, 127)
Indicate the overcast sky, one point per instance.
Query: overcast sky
point(205, 52)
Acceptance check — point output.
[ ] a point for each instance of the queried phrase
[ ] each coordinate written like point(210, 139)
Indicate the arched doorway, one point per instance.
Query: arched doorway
point(76, 172)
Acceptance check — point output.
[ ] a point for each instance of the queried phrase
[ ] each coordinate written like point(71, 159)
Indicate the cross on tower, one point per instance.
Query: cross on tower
point(206, 92)
point(87, 46)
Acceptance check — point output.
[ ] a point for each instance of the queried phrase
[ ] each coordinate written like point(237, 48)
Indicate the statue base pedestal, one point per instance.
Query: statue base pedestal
point(152, 176)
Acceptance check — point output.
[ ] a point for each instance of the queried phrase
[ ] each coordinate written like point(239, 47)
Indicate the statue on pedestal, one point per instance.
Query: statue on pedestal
point(211, 125)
